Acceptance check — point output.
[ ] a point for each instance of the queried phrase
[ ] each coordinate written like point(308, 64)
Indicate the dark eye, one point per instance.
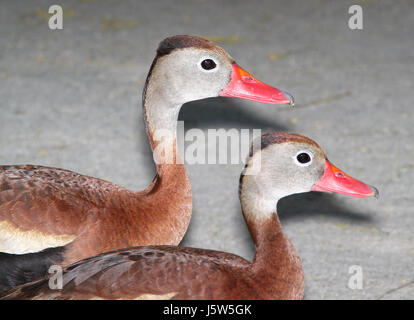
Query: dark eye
point(208, 64)
point(303, 157)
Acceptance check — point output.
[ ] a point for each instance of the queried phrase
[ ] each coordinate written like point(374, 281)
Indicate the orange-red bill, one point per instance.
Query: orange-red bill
point(335, 180)
point(244, 85)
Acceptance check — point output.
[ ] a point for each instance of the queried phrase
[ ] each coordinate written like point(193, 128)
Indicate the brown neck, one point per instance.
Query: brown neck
point(276, 266)
point(161, 122)
point(170, 191)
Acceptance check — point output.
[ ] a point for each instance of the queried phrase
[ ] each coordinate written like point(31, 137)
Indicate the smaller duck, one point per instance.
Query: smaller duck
point(289, 164)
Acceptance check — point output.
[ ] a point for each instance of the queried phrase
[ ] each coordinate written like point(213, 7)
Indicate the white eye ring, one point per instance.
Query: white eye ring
point(205, 58)
point(300, 164)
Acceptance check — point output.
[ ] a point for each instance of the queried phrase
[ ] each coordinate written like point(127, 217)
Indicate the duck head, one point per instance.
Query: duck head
point(292, 163)
point(190, 68)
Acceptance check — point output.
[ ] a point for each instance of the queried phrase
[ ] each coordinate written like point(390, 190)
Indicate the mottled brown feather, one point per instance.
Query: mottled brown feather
point(101, 215)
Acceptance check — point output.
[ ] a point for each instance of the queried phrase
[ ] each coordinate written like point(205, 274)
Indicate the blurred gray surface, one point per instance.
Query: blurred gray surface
point(71, 99)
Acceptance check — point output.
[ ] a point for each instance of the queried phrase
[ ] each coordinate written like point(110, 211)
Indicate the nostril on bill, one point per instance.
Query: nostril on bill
point(247, 79)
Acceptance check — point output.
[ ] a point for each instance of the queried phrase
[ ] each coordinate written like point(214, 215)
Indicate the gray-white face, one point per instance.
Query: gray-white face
point(289, 168)
point(193, 73)
point(289, 164)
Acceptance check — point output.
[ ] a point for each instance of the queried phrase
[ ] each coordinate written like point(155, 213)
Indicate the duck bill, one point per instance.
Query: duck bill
point(244, 85)
point(335, 180)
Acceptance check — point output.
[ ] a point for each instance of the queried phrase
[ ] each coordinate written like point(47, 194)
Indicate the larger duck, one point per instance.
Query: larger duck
point(289, 164)
point(55, 216)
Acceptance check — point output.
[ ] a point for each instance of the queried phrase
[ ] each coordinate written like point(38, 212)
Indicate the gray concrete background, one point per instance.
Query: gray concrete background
point(71, 99)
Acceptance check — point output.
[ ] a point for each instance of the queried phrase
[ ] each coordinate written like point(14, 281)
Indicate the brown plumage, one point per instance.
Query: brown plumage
point(167, 272)
point(43, 208)
point(99, 215)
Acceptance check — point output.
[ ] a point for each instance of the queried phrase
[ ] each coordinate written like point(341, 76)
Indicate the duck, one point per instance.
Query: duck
point(283, 164)
point(56, 216)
